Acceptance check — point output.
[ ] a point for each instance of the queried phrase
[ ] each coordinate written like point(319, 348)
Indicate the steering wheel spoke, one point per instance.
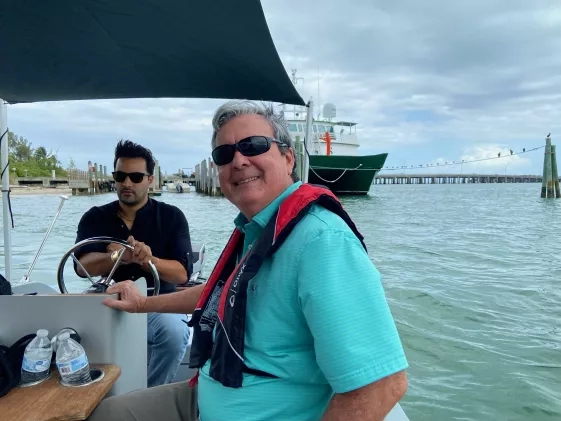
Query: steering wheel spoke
point(116, 265)
point(104, 282)
point(82, 267)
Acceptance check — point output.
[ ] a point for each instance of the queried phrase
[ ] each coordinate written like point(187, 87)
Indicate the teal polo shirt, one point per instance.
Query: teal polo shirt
point(317, 318)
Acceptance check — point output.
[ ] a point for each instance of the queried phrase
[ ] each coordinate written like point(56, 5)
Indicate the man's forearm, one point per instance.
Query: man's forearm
point(95, 263)
point(169, 270)
point(369, 403)
point(182, 302)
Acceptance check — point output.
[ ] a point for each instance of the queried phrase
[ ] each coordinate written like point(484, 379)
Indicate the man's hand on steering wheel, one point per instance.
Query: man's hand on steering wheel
point(127, 255)
point(142, 253)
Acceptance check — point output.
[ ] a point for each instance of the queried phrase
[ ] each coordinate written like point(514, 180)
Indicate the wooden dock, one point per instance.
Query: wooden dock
point(454, 178)
point(92, 181)
point(88, 182)
point(41, 181)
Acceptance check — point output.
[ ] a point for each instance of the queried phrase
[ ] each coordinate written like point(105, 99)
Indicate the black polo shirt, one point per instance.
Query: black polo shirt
point(161, 226)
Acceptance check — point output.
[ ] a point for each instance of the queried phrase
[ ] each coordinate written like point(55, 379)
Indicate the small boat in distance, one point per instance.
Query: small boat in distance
point(333, 155)
point(177, 186)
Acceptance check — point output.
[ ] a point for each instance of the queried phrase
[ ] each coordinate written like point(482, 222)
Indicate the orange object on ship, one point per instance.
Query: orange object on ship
point(328, 143)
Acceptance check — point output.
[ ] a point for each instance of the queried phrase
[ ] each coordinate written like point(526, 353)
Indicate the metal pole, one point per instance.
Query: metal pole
point(308, 141)
point(5, 167)
point(25, 278)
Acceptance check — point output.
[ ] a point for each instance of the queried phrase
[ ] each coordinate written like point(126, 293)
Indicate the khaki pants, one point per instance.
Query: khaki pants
point(169, 402)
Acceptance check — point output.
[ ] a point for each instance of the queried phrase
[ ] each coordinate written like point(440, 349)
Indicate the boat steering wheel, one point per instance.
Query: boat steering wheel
point(102, 284)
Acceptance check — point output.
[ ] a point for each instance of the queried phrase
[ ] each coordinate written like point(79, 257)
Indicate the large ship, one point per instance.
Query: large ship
point(333, 151)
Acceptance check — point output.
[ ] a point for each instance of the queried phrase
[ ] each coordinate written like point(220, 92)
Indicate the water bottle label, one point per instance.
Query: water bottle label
point(73, 366)
point(35, 366)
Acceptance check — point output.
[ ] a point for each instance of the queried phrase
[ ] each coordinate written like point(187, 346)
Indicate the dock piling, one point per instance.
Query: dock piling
point(555, 174)
point(206, 178)
point(550, 180)
point(90, 182)
point(156, 188)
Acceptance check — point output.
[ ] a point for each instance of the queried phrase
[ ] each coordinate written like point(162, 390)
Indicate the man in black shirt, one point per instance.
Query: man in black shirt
point(158, 232)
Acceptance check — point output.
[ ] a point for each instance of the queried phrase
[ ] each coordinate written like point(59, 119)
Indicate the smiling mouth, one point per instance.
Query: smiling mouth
point(247, 180)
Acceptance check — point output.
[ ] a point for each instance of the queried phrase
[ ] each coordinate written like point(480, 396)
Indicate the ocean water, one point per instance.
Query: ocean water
point(472, 274)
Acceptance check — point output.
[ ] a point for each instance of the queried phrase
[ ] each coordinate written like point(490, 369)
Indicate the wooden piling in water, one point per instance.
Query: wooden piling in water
point(206, 178)
point(547, 180)
point(554, 173)
point(156, 188)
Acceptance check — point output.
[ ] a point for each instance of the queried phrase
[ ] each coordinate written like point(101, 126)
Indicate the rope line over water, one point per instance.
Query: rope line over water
point(461, 162)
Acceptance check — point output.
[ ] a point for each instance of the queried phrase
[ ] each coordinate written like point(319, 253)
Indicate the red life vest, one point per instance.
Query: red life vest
point(224, 297)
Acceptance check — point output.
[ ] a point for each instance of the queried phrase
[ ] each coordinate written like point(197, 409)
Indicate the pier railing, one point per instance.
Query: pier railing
point(455, 178)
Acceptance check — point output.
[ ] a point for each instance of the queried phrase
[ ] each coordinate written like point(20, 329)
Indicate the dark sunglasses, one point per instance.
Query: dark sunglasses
point(250, 146)
point(135, 177)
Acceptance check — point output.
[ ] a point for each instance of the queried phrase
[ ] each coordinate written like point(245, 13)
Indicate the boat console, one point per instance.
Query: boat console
point(108, 336)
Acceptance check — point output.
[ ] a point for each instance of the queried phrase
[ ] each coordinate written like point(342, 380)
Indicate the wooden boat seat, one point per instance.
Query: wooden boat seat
point(51, 401)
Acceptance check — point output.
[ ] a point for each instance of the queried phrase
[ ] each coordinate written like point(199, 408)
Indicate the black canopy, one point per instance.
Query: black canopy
point(53, 50)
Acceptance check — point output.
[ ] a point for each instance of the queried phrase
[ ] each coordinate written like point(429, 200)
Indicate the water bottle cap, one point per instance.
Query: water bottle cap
point(42, 333)
point(63, 336)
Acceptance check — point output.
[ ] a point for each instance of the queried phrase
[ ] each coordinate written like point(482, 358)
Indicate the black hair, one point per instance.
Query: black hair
point(129, 149)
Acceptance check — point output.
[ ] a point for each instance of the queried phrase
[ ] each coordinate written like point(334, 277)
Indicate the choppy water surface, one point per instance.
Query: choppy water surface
point(472, 274)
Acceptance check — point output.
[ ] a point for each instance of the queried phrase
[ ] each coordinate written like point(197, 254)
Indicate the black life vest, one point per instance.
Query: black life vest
point(224, 297)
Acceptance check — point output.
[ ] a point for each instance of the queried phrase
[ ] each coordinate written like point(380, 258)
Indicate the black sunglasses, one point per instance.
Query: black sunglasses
point(250, 146)
point(135, 177)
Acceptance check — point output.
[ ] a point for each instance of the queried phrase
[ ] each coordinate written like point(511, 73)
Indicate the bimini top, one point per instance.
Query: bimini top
point(108, 49)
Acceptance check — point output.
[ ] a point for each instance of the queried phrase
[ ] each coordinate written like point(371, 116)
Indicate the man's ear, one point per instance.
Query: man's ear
point(290, 160)
point(150, 180)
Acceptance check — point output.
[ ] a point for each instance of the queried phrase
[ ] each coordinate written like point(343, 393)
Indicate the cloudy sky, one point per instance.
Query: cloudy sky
point(427, 81)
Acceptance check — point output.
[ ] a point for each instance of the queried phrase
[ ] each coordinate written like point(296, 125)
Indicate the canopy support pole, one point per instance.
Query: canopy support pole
point(5, 171)
point(308, 141)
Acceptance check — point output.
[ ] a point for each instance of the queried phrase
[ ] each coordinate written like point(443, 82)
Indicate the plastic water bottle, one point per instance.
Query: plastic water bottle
point(54, 339)
point(36, 363)
point(71, 361)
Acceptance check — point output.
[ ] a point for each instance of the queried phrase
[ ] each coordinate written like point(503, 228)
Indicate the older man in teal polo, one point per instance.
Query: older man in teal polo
point(293, 323)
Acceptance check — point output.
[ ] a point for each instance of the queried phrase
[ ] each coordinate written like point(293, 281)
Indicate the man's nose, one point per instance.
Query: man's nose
point(240, 160)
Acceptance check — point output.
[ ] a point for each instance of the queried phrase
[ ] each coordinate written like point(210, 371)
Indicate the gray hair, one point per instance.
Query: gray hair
point(232, 109)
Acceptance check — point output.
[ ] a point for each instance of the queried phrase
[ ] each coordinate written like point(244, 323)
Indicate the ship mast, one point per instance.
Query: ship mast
point(295, 80)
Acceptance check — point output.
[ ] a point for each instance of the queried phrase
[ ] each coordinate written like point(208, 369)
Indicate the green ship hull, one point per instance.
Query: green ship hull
point(344, 174)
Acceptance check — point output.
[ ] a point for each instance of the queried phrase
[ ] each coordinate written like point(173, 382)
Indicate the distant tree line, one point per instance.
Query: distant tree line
point(32, 162)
